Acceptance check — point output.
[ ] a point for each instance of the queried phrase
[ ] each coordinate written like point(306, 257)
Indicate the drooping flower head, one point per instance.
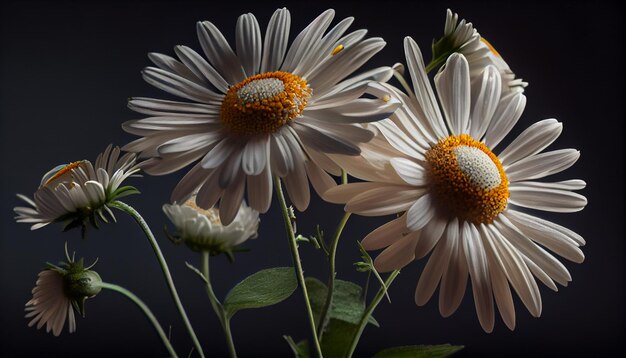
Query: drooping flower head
point(202, 230)
point(266, 109)
point(77, 194)
point(462, 37)
point(59, 291)
point(460, 201)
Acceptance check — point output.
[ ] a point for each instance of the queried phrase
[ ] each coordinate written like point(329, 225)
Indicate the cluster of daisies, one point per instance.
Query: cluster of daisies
point(272, 111)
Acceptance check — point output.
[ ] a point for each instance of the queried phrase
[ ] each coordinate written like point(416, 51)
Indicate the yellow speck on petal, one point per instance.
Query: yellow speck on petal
point(491, 48)
point(467, 180)
point(264, 103)
point(337, 49)
point(386, 98)
point(65, 170)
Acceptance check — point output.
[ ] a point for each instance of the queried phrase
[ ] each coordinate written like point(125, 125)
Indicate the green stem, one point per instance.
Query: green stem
point(217, 306)
point(436, 62)
point(131, 296)
point(403, 82)
point(166, 271)
point(296, 261)
point(368, 311)
point(324, 315)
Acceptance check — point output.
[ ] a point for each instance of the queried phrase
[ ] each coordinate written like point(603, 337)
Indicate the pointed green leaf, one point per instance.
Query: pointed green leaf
point(347, 303)
point(337, 338)
point(300, 349)
point(421, 351)
point(264, 288)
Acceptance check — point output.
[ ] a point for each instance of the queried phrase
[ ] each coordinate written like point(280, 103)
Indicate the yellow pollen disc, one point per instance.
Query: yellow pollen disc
point(264, 103)
point(491, 48)
point(467, 180)
point(212, 213)
point(337, 49)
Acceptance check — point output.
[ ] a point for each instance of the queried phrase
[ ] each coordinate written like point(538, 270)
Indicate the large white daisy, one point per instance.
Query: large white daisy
point(266, 109)
point(77, 193)
point(461, 202)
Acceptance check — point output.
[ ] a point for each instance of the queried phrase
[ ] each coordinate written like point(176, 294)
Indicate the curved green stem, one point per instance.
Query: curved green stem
point(325, 313)
point(368, 311)
point(131, 296)
point(297, 264)
point(217, 306)
point(166, 271)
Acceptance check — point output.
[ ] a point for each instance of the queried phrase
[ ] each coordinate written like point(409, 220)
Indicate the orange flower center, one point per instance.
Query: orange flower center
point(467, 180)
point(264, 103)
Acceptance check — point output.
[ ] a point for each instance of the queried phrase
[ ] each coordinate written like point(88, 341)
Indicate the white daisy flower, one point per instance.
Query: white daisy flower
point(58, 292)
point(462, 37)
point(461, 202)
point(75, 193)
point(202, 229)
point(266, 109)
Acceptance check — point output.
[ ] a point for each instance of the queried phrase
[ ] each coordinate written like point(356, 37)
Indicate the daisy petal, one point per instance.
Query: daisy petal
point(248, 43)
point(398, 255)
point(542, 164)
point(453, 87)
point(276, 37)
point(532, 141)
point(548, 199)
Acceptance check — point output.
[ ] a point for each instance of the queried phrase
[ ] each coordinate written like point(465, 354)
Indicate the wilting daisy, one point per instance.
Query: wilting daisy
point(202, 229)
point(59, 291)
point(266, 109)
point(462, 37)
point(78, 193)
point(461, 202)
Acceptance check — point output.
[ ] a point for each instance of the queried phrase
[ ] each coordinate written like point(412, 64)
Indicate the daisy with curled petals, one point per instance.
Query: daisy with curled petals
point(58, 292)
point(78, 193)
point(460, 202)
point(202, 229)
point(462, 37)
point(263, 110)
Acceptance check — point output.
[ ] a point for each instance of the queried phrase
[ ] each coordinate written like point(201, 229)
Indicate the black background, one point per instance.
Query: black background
point(68, 68)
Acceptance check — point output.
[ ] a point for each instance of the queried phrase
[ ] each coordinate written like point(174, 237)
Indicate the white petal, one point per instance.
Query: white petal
point(307, 39)
point(218, 154)
point(384, 200)
point(201, 67)
point(386, 234)
point(320, 180)
point(343, 193)
point(485, 99)
point(324, 140)
point(478, 266)
point(409, 171)
point(276, 40)
point(542, 164)
point(501, 290)
point(231, 200)
point(248, 43)
point(179, 86)
point(219, 53)
point(453, 88)
point(260, 190)
point(297, 186)
point(507, 114)
point(420, 213)
point(255, 155)
point(454, 278)
point(431, 233)
point(548, 199)
point(532, 141)
point(521, 217)
point(398, 255)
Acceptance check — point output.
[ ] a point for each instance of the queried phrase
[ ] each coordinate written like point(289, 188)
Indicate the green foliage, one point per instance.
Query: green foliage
point(300, 349)
point(347, 306)
point(421, 351)
point(264, 288)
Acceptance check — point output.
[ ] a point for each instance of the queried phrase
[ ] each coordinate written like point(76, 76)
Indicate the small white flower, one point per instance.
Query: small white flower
point(75, 193)
point(202, 230)
point(262, 110)
point(460, 201)
point(462, 37)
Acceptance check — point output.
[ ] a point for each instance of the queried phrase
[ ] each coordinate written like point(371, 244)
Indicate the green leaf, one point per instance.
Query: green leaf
point(337, 338)
point(421, 351)
point(300, 349)
point(264, 288)
point(347, 306)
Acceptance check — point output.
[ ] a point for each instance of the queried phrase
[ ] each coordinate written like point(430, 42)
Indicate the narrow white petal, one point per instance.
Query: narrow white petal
point(454, 278)
point(276, 40)
point(255, 155)
point(320, 180)
point(343, 193)
point(453, 88)
point(219, 52)
point(231, 200)
point(201, 67)
point(297, 186)
point(420, 213)
point(542, 164)
point(260, 190)
point(409, 171)
point(548, 199)
point(507, 114)
point(384, 200)
point(532, 141)
point(386, 234)
point(306, 40)
point(478, 266)
point(248, 43)
point(398, 255)
point(485, 98)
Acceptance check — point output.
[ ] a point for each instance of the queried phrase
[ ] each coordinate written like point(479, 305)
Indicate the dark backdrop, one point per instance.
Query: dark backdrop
point(68, 68)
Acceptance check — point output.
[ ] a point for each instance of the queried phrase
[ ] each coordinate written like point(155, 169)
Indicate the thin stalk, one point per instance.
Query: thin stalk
point(131, 296)
point(217, 306)
point(166, 271)
point(369, 310)
point(325, 313)
point(403, 82)
point(296, 261)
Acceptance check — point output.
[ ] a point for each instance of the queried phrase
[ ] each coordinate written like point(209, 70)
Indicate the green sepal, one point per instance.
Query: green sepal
point(264, 288)
point(122, 192)
point(421, 351)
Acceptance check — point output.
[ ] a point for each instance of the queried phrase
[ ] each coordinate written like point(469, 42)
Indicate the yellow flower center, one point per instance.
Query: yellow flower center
point(491, 48)
point(467, 180)
point(264, 103)
point(211, 213)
